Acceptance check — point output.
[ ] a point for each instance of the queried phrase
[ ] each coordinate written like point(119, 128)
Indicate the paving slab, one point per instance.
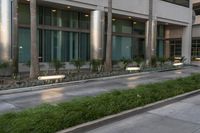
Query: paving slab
point(179, 117)
point(148, 123)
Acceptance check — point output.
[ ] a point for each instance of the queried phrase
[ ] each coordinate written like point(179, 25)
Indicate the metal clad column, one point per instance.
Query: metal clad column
point(97, 34)
point(5, 30)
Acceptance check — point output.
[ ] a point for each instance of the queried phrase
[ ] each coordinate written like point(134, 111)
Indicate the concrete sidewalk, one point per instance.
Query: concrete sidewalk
point(19, 101)
point(180, 117)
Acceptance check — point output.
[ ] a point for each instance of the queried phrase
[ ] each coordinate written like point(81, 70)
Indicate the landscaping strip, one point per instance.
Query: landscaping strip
point(49, 118)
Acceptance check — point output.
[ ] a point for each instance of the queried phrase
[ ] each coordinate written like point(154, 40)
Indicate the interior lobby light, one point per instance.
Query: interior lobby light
point(53, 10)
point(68, 7)
point(113, 19)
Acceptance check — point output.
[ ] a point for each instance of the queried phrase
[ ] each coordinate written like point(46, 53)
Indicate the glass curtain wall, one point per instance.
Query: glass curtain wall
point(56, 36)
point(196, 48)
point(160, 48)
point(128, 39)
point(175, 48)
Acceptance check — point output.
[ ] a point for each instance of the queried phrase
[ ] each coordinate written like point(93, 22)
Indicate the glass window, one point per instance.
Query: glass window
point(24, 14)
point(139, 47)
point(24, 45)
point(175, 48)
point(70, 19)
point(122, 48)
point(84, 46)
point(160, 48)
point(84, 22)
point(196, 48)
point(138, 28)
point(122, 26)
point(161, 31)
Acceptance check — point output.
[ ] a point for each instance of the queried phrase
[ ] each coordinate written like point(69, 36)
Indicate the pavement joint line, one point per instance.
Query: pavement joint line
point(123, 115)
point(196, 130)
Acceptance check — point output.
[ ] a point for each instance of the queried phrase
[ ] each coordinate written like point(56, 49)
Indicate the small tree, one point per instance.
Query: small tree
point(162, 60)
point(125, 62)
point(57, 64)
point(78, 64)
point(4, 65)
point(139, 61)
point(171, 59)
point(153, 61)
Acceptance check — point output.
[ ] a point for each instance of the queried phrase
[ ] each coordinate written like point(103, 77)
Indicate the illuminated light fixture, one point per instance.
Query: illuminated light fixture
point(197, 58)
point(53, 10)
point(113, 19)
point(86, 15)
point(51, 77)
point(68, 7)
point(28, 0)
point(134, 22)
point(178, 64)
point(130, 17)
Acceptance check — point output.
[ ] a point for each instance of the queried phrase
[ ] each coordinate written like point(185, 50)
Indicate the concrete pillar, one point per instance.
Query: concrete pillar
point(5, 30)
point(97, 34)
point(186, 43)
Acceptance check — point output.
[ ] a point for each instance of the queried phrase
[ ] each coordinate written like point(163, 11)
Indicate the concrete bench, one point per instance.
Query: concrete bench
point(52, 77)
point(177, 64)
point(133, 69)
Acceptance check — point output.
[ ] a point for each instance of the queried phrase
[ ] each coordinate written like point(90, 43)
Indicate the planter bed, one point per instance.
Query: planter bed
point(7, 83)
point(52, 118)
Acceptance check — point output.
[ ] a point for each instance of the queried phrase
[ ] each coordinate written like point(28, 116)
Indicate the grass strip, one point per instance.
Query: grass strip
point(49, 118)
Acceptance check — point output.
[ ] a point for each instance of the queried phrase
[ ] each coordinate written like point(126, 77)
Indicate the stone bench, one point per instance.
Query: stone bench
point(52, 77)
point(133, 69)
point(178, 64)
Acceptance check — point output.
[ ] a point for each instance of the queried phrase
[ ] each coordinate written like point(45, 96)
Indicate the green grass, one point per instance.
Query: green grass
point(49, 119)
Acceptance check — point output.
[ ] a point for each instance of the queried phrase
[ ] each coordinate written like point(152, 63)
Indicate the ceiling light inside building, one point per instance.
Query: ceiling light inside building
point(53, 10)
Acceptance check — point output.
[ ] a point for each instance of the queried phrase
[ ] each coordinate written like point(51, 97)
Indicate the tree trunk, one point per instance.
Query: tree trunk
point(149, 51)
point(15, 38)
point(34, 70)
point(108, 62)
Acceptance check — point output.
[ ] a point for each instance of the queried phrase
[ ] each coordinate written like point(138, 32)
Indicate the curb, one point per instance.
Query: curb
point(117, 117)
point(48, 86)
point(43, 87)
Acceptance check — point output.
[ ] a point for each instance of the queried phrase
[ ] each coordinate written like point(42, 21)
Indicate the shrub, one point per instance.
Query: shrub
point(139, 61)
point(171, 59)
point(57, 65)
point(153, 61)
point(96, 65)
point(4, 65)
point(49, 118)
point(125, 62)
point(162, 60)
point(78, 64)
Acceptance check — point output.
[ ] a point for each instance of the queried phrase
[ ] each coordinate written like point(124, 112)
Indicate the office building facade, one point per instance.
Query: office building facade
point(76, 29)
